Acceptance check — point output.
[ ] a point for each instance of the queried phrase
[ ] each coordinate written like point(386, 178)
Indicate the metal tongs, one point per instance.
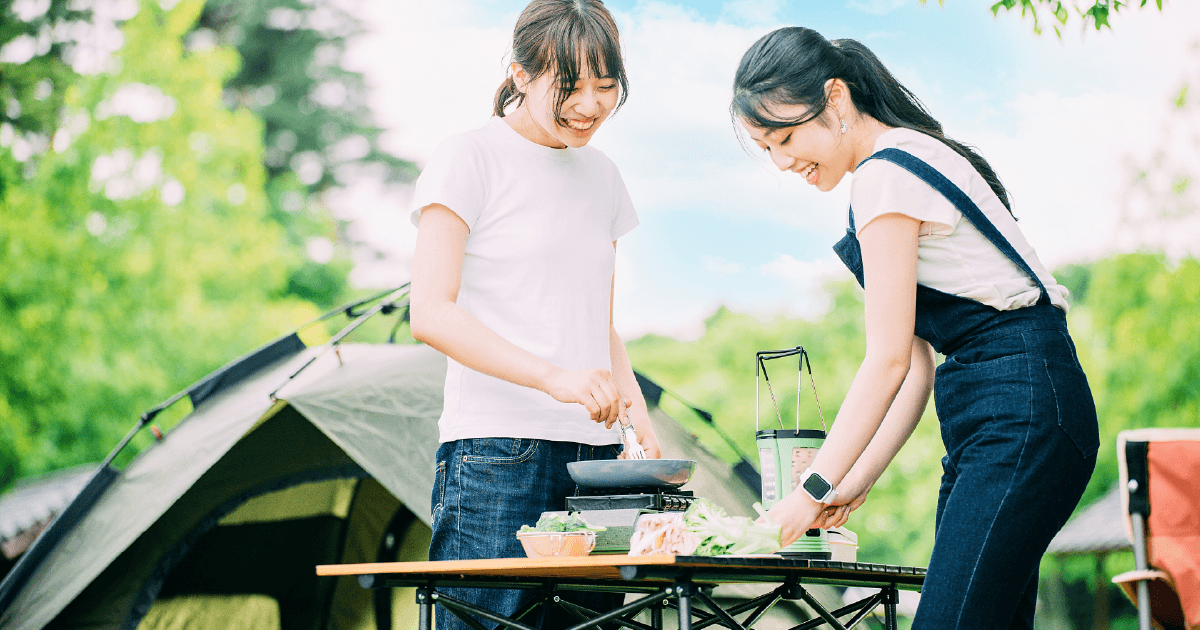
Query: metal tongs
point(633, 449)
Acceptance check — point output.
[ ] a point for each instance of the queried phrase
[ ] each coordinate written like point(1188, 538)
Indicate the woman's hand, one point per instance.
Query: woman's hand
point(838, 513)
point(851, 495)
point(645, 433)
point(592, 388)
point(796, 514)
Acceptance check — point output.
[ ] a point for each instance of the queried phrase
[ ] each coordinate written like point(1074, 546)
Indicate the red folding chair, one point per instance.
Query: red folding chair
point(1160, 471)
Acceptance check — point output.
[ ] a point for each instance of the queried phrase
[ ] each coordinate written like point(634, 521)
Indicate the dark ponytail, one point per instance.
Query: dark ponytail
point(557, 36)
point(790, 66)
point(507, 93)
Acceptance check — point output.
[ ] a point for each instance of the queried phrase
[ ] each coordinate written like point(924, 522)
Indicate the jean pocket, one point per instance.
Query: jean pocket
point(438, 497)
point(998, 352)
point(1076, 409)
point(500, 451)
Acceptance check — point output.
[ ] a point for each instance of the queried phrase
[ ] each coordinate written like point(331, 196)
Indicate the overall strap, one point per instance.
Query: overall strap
point(963, 203)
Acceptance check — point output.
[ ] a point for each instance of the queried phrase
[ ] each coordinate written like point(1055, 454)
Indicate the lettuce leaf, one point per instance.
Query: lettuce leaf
point(572, 522)
point(724, 535)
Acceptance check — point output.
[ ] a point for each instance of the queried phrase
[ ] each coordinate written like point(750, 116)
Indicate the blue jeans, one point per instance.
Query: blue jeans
point(1019, 426)
point(484, 490)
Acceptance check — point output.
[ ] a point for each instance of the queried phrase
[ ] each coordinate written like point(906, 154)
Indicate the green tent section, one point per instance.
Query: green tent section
point(291, 457)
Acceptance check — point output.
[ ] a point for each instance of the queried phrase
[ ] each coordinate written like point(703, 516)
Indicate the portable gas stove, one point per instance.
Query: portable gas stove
point(618, 509)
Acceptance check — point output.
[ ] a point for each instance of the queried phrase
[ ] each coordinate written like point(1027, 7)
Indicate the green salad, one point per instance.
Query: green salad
point(724, 535)
point(571, 522)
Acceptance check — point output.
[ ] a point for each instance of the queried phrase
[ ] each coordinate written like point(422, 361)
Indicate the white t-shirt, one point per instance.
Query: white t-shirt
point(952, 255)
point(538, 271)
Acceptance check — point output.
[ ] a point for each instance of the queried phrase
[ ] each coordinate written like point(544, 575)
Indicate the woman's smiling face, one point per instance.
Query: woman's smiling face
point(814, 149)
point(588, 105)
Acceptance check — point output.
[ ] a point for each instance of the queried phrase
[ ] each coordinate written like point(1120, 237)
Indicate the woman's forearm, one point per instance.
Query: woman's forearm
point(901, 419)
point(451, 330)
point(866, 406)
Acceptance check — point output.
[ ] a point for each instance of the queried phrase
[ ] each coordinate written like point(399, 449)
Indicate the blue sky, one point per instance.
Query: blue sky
point(1061, 120)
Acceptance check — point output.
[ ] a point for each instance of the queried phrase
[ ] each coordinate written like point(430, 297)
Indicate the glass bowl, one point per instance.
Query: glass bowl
point(557, 544)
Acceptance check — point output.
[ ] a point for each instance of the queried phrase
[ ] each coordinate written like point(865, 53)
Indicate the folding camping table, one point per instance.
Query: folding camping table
point(677, 582)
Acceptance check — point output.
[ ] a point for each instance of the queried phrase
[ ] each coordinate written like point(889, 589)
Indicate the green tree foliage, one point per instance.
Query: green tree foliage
point(1097, 15)
point(317, 127)
point(138, 250)
point(36, 42)
point(1139, 342)
point(317, 133)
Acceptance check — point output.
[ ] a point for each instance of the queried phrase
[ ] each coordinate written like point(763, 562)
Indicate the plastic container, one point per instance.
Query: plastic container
point(557, 544)
point(843, 545)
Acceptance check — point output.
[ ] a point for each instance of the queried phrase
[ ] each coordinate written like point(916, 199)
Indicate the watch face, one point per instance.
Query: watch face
point(816, 486)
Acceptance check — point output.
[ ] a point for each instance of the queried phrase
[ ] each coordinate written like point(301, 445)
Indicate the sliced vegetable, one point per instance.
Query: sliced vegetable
point(703, 530)
point(571, 522)
point(724, 535)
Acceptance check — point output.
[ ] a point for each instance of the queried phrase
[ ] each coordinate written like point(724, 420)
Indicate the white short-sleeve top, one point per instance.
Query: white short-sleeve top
point(952, 256)
point(537, 270)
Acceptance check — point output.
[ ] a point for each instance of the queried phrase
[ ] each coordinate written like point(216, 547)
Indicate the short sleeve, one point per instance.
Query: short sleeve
point(625, 216)
point(454, 177)
point(881, 187)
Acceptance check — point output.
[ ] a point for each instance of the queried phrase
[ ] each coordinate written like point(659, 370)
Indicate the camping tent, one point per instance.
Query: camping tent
point(188, 501)
point(292, 457)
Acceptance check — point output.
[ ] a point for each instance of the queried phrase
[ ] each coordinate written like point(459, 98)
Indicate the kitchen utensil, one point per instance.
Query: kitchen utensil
point(633, 448)
point(632, 473)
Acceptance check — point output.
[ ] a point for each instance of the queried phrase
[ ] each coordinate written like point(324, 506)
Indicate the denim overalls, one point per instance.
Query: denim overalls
point(1019, 427)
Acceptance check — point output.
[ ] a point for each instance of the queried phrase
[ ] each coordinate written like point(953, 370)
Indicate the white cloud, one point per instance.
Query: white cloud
point(1066, 158)
point(674, 139)
point(720, 267)
point(803, 282)
point(878, 7)
point(433, 70)
point(751, 11)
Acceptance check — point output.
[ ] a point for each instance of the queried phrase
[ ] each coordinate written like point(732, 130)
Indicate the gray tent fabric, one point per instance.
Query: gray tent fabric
point(366, 410)
point(714, 479)
point(382, 410)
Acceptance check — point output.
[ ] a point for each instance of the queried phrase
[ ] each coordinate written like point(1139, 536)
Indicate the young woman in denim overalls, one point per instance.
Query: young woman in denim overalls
point(933, 242)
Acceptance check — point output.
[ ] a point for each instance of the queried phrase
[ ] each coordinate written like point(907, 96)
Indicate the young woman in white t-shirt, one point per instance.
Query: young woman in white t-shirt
point(944, 266)
point(513, 280)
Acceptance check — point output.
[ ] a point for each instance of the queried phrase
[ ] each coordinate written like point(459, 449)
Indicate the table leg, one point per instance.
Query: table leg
point(425, 606)
point(891, 598)
point(816, 605)
point(683, 594)
point(656, 616)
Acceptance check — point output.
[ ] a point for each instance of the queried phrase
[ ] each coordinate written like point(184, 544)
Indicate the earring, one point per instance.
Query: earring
point(845, 128)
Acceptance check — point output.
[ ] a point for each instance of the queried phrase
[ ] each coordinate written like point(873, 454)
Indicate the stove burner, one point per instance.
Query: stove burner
point(631, 498)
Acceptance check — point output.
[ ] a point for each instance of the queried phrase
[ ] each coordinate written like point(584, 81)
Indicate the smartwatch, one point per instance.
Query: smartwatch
point(817, 487)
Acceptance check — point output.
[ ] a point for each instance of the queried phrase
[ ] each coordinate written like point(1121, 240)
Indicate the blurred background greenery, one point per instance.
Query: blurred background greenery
point(163, 167)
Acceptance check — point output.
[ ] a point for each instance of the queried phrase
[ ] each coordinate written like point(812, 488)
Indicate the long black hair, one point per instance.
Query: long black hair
point(791, 65)
point(556, 36)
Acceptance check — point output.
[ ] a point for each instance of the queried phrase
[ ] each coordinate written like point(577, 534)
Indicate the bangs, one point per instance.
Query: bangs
point(755, 108)
point(584, 39)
